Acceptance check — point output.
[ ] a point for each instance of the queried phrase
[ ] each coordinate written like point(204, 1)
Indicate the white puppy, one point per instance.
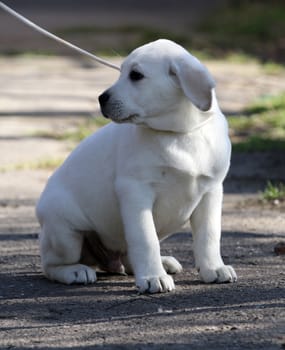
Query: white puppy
point(159, 167)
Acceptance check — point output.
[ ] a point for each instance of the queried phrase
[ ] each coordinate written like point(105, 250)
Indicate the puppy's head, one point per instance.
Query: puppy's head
point(160, 84)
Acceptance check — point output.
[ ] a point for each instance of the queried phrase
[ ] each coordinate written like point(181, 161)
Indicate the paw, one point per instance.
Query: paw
point(222, 274)
point(76, 274)
point(171, 265)
point(158, 284)
point(80, 274)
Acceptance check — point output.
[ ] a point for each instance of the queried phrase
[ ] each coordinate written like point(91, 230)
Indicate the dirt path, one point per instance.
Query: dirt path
point(45, 95)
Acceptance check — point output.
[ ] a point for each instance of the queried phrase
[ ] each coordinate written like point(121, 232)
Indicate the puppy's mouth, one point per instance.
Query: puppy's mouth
point(131, 118)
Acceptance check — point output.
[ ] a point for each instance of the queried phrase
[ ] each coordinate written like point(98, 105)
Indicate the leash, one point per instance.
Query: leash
point(56, 38)
point(76, 48)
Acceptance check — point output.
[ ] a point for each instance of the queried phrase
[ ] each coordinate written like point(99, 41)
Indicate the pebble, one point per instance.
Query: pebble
point(279, 248)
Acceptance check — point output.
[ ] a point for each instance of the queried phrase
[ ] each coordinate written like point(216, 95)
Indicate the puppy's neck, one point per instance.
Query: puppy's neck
point(186, 118)
point(201, 124)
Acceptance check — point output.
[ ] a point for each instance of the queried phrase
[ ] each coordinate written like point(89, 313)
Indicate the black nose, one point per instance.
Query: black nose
point(103, 99)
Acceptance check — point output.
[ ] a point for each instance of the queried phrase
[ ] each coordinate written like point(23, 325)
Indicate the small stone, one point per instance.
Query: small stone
point(279, 249)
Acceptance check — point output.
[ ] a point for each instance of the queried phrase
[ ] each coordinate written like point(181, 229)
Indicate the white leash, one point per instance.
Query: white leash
point(56, 38)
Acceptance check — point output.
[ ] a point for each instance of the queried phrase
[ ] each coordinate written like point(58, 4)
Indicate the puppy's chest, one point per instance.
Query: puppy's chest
point(182, 177)
point(177, 182)
point(176, 196)
point(188, 159)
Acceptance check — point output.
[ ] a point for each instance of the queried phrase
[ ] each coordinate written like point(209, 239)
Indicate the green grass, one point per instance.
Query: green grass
point(129, 36)
point(76, 135)
point(258, 144)
point(28, 53)
point(236, 30)
point(273, 192)
point(273, 68)
point(254, 27)
point(261, 127)
point(239, 31)
point(85, 129)
point(267, 104)
point(41, 164)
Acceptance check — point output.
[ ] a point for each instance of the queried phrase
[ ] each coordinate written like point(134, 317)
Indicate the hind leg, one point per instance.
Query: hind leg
point(60, 253)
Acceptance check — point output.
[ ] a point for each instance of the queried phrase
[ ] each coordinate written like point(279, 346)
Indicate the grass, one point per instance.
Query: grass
point(41, 164)
point(82, 131)
point(268, 103)
point(261, 127)
point(129, 36)
point(28, 53)
point(273, 68)
point(85, 129)
point(209, 41)
point(255, 27)
point(274, 192)
point(239, 31)
point(258, 144)
point(235, 29)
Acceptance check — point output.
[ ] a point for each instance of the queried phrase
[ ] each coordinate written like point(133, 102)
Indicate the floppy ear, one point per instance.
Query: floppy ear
point(194, 79)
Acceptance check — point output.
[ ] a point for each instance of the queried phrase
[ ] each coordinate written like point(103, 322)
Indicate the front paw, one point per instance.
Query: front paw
point(157, 284)
point(223, 274)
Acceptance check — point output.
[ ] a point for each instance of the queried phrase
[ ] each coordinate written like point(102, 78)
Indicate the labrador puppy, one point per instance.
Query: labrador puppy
point(157, 167)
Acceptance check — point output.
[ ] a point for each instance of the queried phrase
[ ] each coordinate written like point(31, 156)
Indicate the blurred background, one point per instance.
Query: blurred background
point(48, 92)
point(215, 27)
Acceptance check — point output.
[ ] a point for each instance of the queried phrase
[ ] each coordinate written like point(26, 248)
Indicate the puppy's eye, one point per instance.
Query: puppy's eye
point(135, 75)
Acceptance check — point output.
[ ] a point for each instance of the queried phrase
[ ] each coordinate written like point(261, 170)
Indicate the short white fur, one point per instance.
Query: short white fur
point(157, 169)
